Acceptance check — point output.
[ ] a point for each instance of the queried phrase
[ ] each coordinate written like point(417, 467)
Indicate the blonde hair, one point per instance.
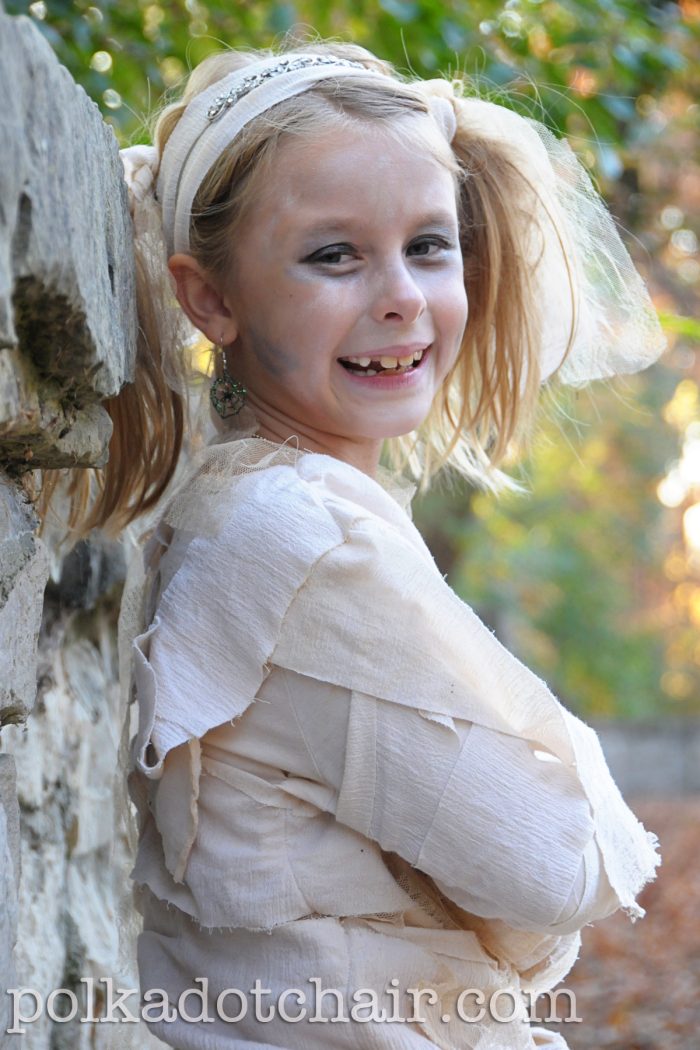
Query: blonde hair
point(487, 401)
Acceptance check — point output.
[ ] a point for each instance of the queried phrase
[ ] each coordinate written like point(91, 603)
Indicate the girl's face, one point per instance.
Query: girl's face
point(347, 298)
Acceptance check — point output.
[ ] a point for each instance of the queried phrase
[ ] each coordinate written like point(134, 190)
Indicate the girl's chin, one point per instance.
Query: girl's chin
point(396, 426)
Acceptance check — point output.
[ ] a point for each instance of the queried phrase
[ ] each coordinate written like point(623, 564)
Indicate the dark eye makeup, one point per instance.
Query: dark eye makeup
point(332, 253)
point(424, 246)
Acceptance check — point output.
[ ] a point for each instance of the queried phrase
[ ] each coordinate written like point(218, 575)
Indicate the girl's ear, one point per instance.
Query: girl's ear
point(201, 300)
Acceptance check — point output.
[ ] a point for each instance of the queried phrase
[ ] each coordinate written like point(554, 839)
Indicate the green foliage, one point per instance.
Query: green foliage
point(686, 326)
point(583, 65)
point(567, 573)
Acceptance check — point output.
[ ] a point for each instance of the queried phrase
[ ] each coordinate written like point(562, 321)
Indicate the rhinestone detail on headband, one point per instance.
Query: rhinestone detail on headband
point(285, 65)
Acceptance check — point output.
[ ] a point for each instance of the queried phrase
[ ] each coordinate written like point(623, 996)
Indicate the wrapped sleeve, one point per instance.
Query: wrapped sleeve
point(502, 833)
point(525, 810)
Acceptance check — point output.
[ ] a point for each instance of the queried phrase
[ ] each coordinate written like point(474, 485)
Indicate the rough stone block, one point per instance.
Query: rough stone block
point(9, 885)
point(87, 572)
point(67, 303)
point(10, 810)
point(23, 573)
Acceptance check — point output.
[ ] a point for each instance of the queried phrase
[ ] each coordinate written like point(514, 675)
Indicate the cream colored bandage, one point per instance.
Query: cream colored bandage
point(439, 94)
point(140, 166)
point(443, 113)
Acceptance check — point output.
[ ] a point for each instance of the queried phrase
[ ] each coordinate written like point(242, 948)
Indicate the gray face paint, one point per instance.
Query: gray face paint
point(273, 358)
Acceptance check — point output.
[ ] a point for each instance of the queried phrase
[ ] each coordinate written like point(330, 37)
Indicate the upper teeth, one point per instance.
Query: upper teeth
point(387, 361)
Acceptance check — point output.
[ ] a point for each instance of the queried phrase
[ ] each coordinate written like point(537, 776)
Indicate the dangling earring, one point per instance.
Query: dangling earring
point(226, 394)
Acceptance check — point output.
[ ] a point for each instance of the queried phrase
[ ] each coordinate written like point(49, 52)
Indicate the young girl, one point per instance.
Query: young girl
point(363, 823)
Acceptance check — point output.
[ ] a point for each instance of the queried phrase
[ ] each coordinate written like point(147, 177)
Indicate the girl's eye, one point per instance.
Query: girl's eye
point(428, 246)
point(336, 255)
point(333, 254)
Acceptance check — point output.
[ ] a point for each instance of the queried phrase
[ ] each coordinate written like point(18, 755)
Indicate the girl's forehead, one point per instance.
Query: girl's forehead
point(357, 166)
point(416, 141)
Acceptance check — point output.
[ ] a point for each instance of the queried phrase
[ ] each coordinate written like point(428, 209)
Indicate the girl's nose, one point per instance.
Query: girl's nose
point(397, 295)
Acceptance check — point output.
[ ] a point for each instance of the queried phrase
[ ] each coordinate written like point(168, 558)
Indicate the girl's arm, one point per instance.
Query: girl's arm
point(503, 834)
point(458, 757)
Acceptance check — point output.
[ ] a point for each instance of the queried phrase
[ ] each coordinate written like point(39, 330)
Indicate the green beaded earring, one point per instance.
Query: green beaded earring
point(227, 395)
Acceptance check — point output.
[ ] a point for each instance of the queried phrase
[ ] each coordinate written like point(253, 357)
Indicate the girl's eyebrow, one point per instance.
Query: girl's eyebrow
point(439, 218)
point(442, 219)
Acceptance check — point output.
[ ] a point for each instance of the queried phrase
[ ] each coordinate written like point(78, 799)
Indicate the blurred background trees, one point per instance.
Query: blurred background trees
point(594, 578)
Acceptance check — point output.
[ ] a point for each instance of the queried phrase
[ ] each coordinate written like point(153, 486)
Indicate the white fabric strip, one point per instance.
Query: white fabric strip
point(197, 142)
point(443, 113)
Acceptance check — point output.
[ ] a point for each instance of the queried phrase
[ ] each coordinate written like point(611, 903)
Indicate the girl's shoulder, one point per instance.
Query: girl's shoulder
point(254, 522)
point(242, 539)
point(279, 499)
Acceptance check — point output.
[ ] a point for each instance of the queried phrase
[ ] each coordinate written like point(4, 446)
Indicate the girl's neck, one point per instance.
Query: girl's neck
point(363, 455)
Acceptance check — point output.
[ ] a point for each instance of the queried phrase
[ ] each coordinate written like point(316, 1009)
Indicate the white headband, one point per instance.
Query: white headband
point(200, 135)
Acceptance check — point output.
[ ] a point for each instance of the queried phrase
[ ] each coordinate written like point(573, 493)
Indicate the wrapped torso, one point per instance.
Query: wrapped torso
point(341, 774)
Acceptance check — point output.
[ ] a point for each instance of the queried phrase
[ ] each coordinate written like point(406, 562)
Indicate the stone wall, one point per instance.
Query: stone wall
point(67, 341)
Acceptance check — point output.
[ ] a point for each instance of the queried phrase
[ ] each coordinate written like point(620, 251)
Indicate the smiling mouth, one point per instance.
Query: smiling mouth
point(385, 365)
